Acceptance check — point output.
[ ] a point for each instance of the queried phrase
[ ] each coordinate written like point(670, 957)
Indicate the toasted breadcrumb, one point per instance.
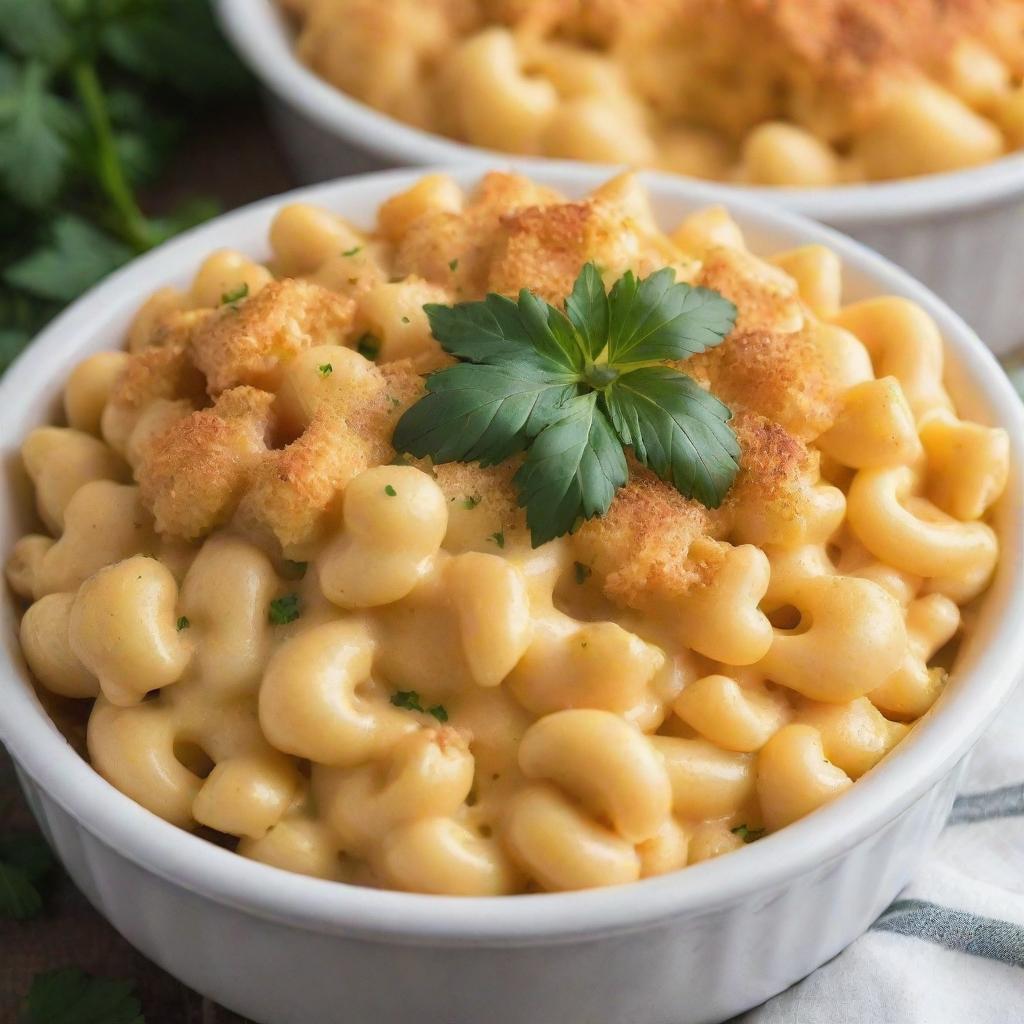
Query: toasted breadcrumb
point(782, 376)
point(456, 249)
point(295, 491)
point(640, 547)
point(249, 343)
point(766, 297)
point(193, 473)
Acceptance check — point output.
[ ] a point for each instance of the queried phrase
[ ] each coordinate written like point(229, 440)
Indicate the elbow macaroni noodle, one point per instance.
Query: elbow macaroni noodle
point(832, 93)
point(354, 666)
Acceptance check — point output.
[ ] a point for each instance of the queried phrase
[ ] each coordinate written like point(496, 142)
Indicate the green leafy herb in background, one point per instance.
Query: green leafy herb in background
point(574, 389)
point(25, 860)
point(70, 996)
point(94, 97)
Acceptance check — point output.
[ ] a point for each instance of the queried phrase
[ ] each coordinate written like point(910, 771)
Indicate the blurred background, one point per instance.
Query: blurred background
point(122, 122)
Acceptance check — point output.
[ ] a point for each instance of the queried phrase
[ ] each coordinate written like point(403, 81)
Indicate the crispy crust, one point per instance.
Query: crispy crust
point(640, 547)
point(250, 342)
point(781, 376)
point(295, 490)
point(193, 473)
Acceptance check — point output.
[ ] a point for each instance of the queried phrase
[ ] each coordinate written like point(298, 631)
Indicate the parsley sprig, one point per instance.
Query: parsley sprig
point(573, 389)
point(24, 861)
point(95, 96)
point(70, 996)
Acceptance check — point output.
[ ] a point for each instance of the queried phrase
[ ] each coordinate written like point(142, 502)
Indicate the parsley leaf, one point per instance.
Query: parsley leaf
point(33, 28)
point(70, 996)
point(748, 835)
point(574, 389)
point(498, 331)
point(182, 623)
point(677, 429)
point(77, 256)
point(284, 609)
point(587, 309)
point(480, 413)
point(176, 44)
point(235, 295)
point(572, 470)
point(34, 148)
point(658, 319)
point(24, 861)
point(410, 701)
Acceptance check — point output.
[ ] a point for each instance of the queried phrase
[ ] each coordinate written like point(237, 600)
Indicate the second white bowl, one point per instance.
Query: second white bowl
point(962, 233)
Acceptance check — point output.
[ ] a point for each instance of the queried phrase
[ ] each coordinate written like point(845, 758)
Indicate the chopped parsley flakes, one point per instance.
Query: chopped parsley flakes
point(325, 369)
point(410, 701)
point(183, 623)
point(390, 491)
point(235, 295)
point(353, 250)
point(284, 609)
point(470, 501)
point(748, 835)
point(453, 265)
point(498, 538)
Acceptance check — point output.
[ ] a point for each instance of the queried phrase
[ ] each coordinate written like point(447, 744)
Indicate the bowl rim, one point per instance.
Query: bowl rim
point(934, 748)
point(258, 31)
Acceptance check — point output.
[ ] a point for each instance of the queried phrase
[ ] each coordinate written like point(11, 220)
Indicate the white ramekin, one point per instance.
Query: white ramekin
point(962, 234)
point(688, 948)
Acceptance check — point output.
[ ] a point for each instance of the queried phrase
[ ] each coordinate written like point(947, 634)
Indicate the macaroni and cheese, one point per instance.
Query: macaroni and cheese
point(790, 93)
point(354, 665)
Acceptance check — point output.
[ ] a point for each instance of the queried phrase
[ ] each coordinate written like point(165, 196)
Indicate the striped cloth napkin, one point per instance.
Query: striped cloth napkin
point(950, 950)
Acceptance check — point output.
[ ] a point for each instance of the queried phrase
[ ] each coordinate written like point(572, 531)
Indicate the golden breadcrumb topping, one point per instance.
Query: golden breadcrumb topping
point(247, 412)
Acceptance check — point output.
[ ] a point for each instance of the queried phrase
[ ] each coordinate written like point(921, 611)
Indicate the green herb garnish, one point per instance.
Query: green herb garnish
point(574, 389)
point(95, 100)
point(582, 572)
point(470, 501)
point(406, 320)
point(235, 295)
point(70, 996)
point(390, 491)
point(24, 862)
point(368, 346)
point(410, 701)
point(325, 369)
point(453, 265)
point(748, 835)
point(284, 609)
point(352, 251)
point(498, 538)
point(183, 623)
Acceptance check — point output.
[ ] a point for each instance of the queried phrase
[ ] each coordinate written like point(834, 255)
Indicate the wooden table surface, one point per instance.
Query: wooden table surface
point(234, 159)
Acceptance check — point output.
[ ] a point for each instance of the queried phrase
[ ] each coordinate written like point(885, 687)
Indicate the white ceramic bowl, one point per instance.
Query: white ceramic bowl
point(691, 947)
point(962, 234)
